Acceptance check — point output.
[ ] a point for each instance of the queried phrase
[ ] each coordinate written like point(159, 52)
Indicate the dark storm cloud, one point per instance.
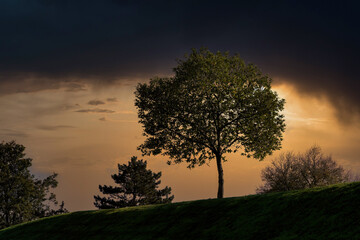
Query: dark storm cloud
point(95, 110)
point(312, 44)
point(96, 102)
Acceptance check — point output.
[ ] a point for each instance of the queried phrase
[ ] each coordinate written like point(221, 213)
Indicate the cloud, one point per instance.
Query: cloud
point(126, 112)
point(312, 45)
point(47, 109)
point(13, 133)
point(95, 110)
point(75, 87)
point(95, 102)
point(113, 99)
point(53, 128)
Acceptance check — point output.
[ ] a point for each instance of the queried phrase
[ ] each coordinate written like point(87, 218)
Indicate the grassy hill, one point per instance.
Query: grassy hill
point(322, 213)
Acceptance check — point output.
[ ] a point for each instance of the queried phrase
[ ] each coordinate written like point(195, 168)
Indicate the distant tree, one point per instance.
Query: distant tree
point(45, 200)
point(213, 105)
point(22, 196)
point(137, 186)
point(311, 169)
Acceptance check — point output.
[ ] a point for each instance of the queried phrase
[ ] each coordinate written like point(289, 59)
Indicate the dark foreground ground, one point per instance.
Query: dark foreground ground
point(322, 213)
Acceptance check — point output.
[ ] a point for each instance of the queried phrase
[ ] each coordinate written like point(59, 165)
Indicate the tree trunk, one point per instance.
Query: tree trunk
point(220, 193)
point(7, 218)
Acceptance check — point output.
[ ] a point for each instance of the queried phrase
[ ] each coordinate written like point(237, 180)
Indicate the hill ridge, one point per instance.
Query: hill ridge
point(331, 212)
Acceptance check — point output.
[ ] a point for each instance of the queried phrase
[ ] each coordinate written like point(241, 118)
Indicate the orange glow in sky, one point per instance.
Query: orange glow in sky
point(84, 147)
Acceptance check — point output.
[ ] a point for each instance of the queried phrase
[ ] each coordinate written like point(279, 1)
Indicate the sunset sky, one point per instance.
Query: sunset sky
point(69, 69)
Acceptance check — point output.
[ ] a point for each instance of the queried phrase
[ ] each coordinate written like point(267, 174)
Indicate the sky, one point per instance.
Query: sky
point(69, 69)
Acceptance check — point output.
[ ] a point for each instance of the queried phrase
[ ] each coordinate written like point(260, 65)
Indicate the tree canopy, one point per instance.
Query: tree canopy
point(22, 196)
point(214, 104)
point(299, 171)
point(136, 186)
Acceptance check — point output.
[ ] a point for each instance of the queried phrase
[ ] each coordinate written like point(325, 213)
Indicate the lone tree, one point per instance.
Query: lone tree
point(22, 196)
point(213, 105)
point(299, 171)
point(137, 186)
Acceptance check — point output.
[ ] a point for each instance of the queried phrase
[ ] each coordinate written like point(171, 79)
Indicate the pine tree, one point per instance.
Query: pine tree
point(137, 186)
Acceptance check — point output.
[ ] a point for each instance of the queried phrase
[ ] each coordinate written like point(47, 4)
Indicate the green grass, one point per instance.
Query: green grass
point(331, 212)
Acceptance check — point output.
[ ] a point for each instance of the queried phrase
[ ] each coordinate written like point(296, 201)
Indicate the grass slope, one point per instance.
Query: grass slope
point(321, 213)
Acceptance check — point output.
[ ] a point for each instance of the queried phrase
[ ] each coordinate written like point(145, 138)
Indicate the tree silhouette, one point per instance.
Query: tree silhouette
point(137, 186)
point(299, 171)
point(22, 196)
point(214, 104)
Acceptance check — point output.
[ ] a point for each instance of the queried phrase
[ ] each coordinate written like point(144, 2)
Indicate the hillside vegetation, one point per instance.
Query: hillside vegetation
point(331, 212)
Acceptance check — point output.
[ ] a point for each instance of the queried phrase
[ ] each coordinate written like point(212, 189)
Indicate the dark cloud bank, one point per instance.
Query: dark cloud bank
point(314, 45)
